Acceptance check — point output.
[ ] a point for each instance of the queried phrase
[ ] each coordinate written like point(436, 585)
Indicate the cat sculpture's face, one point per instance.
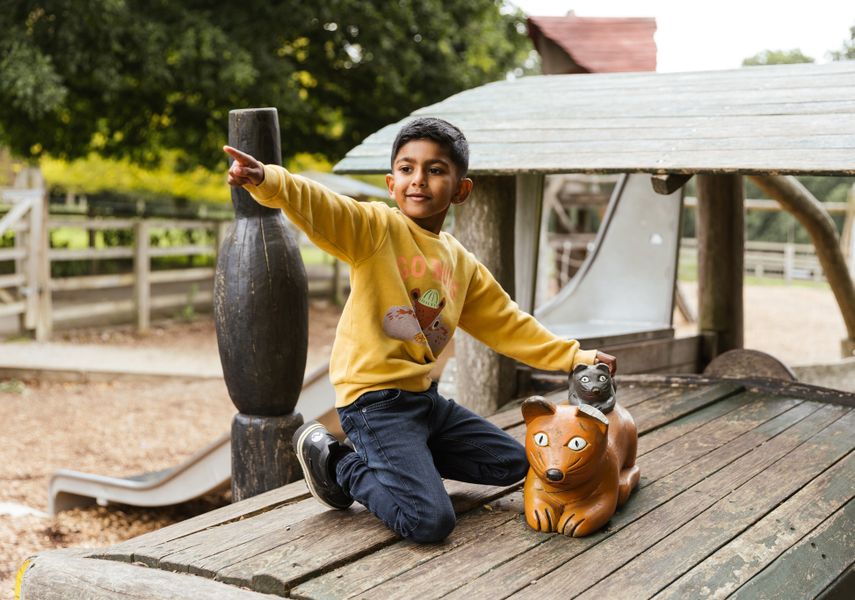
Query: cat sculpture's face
point(564, 443)
point(592, 382)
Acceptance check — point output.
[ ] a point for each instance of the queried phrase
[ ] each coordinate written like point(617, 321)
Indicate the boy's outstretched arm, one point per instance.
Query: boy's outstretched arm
point(245, 169)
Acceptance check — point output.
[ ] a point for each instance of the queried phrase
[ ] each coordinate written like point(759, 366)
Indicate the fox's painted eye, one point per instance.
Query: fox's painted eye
point(602, 377)
point(577, 443)
point(541, 439)
point(584, 379)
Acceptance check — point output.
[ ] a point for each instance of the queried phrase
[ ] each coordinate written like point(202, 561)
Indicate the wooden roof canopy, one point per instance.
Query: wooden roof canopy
point(788, 119)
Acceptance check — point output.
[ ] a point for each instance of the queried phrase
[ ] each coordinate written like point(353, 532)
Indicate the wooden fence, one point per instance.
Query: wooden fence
point(29, 291)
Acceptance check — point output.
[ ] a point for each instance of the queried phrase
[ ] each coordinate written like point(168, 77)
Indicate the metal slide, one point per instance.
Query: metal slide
point(206, 471)
point(625, 288)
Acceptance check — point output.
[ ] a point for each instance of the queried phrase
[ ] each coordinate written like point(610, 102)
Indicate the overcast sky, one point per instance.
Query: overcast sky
point(695, 36)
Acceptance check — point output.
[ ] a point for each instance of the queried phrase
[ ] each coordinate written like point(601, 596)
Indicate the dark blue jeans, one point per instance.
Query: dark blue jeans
point(406, 442)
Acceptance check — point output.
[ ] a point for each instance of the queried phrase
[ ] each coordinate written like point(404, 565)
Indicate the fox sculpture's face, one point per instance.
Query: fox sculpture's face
point(565, 444)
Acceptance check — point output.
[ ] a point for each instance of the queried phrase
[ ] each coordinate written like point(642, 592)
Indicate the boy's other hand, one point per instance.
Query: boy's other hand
point(245, 169)
point(608, 360)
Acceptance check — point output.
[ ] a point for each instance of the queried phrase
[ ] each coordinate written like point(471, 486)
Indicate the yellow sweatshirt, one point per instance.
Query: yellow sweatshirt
point(410, 290)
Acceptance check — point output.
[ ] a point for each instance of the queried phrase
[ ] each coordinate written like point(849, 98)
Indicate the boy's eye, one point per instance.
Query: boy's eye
point(577, 443)
point(541, 439)
point(435, 171)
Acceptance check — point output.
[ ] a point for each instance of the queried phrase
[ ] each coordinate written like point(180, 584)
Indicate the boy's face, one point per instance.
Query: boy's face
point(424, 183)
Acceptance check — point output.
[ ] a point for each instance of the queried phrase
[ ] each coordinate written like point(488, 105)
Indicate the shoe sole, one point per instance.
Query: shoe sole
point(304, 465)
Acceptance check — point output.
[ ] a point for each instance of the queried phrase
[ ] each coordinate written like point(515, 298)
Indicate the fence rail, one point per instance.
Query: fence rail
point(768, 259)
point(27, 288)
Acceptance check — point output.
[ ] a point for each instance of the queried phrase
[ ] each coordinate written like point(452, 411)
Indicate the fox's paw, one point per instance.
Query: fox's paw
point(541, 518)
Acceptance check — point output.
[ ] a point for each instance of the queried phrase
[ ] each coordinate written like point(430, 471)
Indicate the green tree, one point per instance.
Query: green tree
point(777, 57)
point(129, 78)
point(848, 50)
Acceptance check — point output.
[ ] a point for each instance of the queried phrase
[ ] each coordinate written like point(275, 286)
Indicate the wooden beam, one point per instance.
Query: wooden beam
point(529, 206)
point(798, 201)
point(485, 225)
point(668, 183)
point(721, 244)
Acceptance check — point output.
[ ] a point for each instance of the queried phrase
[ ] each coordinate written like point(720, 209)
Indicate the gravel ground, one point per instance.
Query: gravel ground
point(119, 428)
point(115, 428)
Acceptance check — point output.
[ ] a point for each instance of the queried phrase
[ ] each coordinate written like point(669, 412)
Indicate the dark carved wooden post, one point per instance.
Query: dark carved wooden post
point(261, 316)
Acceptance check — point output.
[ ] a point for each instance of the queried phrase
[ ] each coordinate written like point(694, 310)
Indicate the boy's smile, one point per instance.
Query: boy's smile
point(424, 183)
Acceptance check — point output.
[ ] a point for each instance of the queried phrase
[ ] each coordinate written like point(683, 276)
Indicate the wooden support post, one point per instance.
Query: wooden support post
point(797, 200)
point(142, 283)
point(44, 317)
point(261, 316)
point(529, 204)
point(485, 225)
point(721, 245)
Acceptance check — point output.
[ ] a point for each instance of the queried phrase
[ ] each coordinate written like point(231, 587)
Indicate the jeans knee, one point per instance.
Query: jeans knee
point(432, 526)
point(517, 466)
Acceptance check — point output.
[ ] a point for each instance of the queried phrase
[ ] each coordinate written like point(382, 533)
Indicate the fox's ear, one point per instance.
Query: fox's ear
point(593, 414)
point(536, 406)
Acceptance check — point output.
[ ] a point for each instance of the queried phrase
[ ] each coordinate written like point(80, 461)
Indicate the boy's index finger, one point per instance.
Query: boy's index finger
point(241, 157)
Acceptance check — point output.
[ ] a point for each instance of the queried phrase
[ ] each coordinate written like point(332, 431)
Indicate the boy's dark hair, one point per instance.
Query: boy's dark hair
point(440, 131)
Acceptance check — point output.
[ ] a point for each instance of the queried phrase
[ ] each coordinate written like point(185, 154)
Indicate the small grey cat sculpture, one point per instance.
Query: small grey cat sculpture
point(593, 385)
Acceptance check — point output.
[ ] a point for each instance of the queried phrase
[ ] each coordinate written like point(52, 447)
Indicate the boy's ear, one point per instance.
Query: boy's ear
point(464, 188)
point(390, 183)
point(536, 406)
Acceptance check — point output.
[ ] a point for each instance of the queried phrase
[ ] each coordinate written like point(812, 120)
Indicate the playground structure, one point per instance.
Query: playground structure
point(751, 468)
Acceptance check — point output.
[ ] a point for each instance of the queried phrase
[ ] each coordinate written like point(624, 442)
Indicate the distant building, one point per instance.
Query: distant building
point(574, 44)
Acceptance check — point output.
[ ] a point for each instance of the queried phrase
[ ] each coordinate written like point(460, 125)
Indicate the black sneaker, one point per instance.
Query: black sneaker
point(316, 448)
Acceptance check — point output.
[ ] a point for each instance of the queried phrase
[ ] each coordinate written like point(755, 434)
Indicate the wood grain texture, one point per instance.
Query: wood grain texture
point(795, 119)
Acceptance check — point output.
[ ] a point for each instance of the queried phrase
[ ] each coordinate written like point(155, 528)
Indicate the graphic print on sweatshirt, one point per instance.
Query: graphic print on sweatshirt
point(420, 322)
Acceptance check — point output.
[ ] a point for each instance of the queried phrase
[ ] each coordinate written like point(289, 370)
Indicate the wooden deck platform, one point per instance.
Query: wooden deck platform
point(747, 490)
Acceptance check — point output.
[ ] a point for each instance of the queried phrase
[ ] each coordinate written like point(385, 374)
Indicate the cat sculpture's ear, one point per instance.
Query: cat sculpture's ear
point(579, 367)
point(536, 406)
point(593, 414)
point(602, 367)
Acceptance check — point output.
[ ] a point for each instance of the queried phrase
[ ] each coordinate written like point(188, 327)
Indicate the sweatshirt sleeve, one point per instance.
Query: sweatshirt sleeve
point(347, 229)
point(490, 316)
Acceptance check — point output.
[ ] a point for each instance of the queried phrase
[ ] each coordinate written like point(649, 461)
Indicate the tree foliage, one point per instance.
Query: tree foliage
point(847, 52)
point(129, 78)
point(777, 57)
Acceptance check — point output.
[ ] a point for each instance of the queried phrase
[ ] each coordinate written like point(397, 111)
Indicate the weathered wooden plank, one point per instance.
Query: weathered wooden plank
point(63, 577)
point(754, 411)
point(657, 412)
point(809, 567)
point(288, 494)
point(689, 423)
point(519, 572)
point(402, 556)
point(738, 561)
point(730, 515)
point(617, 550)
point(345, 537)
point(691, 143)
point(195, 552)
point(748, 162)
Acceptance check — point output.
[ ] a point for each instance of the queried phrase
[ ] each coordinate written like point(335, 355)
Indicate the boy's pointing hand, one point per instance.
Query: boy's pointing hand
point(245, 169)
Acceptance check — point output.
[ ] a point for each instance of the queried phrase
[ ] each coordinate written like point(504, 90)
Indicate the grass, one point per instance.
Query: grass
point(689, 272)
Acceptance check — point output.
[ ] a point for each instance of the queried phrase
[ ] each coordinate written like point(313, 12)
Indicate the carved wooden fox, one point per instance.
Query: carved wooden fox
point(582, 465)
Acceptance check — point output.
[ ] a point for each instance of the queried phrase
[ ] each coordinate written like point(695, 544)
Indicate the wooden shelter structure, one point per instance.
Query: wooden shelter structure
point(573, 44)
point(747, 476)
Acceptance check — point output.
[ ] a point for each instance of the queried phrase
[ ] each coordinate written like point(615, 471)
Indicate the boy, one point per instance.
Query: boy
point(412, 285)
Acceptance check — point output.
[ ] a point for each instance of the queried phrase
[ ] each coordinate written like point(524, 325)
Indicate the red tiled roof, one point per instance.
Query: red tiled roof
point(601, 44)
